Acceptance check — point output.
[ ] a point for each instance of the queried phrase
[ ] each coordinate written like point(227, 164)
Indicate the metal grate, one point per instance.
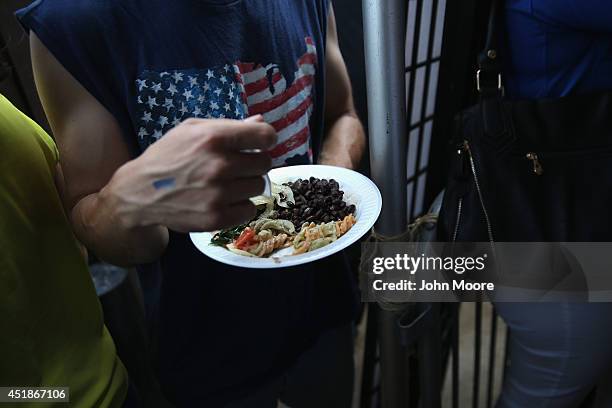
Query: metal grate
point(424, 34)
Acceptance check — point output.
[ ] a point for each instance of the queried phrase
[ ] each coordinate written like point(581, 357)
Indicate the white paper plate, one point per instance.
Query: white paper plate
point(358, 190)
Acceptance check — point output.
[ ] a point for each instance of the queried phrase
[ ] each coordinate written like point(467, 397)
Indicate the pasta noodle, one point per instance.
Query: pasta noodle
point(313, 236)
point(317, 203)
point(263, 248)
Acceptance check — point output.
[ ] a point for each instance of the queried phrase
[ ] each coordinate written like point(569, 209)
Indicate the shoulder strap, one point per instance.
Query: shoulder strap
point(496, 122)
point(489, 73)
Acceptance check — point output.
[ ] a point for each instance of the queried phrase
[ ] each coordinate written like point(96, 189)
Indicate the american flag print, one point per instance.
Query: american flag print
point(233, 91)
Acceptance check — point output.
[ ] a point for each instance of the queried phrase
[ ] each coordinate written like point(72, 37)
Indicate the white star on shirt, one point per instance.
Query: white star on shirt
point(226, 68)
point(193, 81)
point(197, 111)
point(147, 117)
point(183, 109)
point(163, 121)
point(141, 83)
point(210, 74)
point(206, 86)
point(140, 99)
point(221, 116)
point(214, 105)
point(218, 91)
point(168, 104)
point(156, 87)
point(227, 106)
point(237, 112)
point(176, 122)
point(142, 133)
point(163, 74)
point(201, 98)
point(230, 94)
point(157, 134)
point(223, 79)
point(172, 89)
point(232, 85)
point(152, 102)
point(188, 95)
point(178, 77)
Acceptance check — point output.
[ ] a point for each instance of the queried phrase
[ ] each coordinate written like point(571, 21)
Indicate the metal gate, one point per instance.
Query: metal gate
point(407, 352)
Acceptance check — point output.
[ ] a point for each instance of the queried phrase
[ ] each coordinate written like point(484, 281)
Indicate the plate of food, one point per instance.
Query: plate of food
point(314, 211)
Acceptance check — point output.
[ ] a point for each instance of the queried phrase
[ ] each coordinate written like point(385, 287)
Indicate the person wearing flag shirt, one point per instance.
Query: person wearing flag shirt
point(150, 102)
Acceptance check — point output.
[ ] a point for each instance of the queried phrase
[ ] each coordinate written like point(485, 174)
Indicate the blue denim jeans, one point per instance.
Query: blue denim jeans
point(559, 353)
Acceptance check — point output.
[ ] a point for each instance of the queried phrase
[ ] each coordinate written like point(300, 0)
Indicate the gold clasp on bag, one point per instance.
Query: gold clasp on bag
point(537, 166)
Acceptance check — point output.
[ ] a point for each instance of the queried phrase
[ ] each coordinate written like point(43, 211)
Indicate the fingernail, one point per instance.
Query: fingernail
point(254, 118)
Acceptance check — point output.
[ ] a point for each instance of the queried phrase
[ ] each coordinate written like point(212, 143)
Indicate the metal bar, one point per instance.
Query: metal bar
point(430, 362)
point(416, 176)
point(368, 386)
point(455, 348)
point(418, 124)
point(425, 98)
point(430, 345)
point(412, 69)
point(394, 364)
point(384, 34)
point(492, 347)
point(507, 354)
point(411, 91)
point(477, 355)
point(384, 52)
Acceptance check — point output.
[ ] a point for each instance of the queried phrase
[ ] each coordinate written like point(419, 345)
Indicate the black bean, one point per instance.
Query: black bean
point(316, 200)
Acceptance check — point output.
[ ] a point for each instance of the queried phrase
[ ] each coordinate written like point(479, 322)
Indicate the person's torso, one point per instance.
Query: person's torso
point(232, 61)
point(557, 48)
point(154, 63)
point(222, 330)
point(52, 333)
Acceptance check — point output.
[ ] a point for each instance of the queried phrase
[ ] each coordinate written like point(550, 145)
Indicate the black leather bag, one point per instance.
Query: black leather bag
point(528, 171)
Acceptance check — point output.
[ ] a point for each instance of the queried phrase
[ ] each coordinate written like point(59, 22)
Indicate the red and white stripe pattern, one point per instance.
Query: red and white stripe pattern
point(287, 107)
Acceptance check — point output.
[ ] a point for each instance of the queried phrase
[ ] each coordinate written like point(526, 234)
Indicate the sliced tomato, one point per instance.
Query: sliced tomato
point(245, 238)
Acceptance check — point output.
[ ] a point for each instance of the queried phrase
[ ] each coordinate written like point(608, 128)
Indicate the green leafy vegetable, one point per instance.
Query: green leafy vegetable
point(227, 236)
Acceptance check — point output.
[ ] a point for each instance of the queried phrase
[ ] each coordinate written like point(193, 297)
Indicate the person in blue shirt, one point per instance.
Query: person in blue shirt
point(560, 353)
point(152, 103)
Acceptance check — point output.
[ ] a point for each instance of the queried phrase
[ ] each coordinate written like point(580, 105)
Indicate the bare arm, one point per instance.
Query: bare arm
point(114, 204)
point(91, 150)
point(345, 139)
point(60, 186)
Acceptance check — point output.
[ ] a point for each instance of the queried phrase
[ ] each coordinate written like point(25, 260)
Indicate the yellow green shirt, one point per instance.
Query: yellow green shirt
point(52, 331)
